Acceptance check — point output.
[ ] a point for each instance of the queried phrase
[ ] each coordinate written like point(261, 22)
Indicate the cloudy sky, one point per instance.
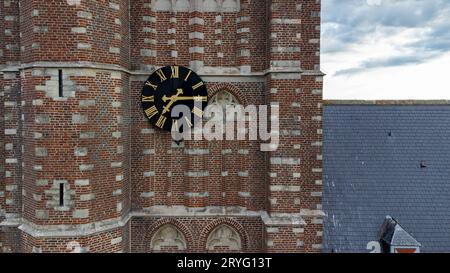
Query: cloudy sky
point(386, 49)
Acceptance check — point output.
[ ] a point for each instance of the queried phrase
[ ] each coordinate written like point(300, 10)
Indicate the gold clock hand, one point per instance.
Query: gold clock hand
point(166, 98)
point(195, 98)
point(172, 100)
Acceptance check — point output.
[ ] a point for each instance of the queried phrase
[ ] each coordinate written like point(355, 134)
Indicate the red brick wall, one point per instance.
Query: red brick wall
point(81, 135)
point(91, 31)
point(10, 241)
point(296, 187)
point(110, 242)
point(10, 168)
point(170, 163)
point(10, 23)
point(12, 151)
point(2, 126)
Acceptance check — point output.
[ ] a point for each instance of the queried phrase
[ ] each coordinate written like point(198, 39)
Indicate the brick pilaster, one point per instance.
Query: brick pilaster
point(294, 169)
point(244, 52)
point(11, 104)
point(2, 126)
point(196, 41)
point(77, 168)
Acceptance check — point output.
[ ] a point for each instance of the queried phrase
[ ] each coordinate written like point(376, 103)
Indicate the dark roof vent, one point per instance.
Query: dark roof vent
point(423, 164)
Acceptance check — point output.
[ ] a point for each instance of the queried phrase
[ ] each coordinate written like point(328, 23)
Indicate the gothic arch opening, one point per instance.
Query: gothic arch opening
point(223, 98)
point(221, 101)
point(168, 238)
point(224, 238)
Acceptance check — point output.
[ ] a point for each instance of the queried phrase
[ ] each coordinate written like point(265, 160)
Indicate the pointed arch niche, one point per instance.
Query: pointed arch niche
point(224, 238)
point(168, 238)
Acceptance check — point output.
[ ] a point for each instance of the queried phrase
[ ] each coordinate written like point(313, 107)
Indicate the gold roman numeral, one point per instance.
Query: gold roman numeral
point(188, 75)
point(151, 85)
point(175, 72)
point(161, 121)
point(161, 75)
point(151, 112)
point(148, 98)
point(198, 85)
point(198, 112)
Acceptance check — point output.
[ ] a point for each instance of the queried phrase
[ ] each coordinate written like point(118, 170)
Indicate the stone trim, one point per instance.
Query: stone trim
point(274, 219)
point(211, 71)
point(72, 230)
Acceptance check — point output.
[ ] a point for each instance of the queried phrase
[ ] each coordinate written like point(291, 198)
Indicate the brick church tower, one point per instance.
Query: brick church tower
point(82, 169)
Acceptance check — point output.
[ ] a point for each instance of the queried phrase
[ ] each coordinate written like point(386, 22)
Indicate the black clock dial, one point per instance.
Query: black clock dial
point(171, 86)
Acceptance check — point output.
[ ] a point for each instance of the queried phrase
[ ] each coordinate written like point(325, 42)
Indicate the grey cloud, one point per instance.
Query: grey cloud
point(386, 62)
point(397, 13)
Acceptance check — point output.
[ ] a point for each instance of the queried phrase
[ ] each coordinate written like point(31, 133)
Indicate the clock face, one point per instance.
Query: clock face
point(171, 86)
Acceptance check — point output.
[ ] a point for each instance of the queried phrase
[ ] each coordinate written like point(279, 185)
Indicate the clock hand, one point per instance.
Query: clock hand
point(166, 98)
point(172, 100)
point(195, 98)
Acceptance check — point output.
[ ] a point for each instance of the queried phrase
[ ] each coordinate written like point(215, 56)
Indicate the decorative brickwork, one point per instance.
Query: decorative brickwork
point(82, 170)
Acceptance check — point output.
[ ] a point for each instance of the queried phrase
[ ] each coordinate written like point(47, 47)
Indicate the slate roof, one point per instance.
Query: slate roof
point(384, 160)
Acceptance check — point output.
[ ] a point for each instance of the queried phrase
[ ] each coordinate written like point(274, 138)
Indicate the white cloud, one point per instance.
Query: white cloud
point(370, 47)
point(429, 80)
point(374, 2)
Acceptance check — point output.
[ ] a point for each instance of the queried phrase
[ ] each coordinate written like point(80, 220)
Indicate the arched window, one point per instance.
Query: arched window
point(224, 238)
point(220, 101)
point(168, 238)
